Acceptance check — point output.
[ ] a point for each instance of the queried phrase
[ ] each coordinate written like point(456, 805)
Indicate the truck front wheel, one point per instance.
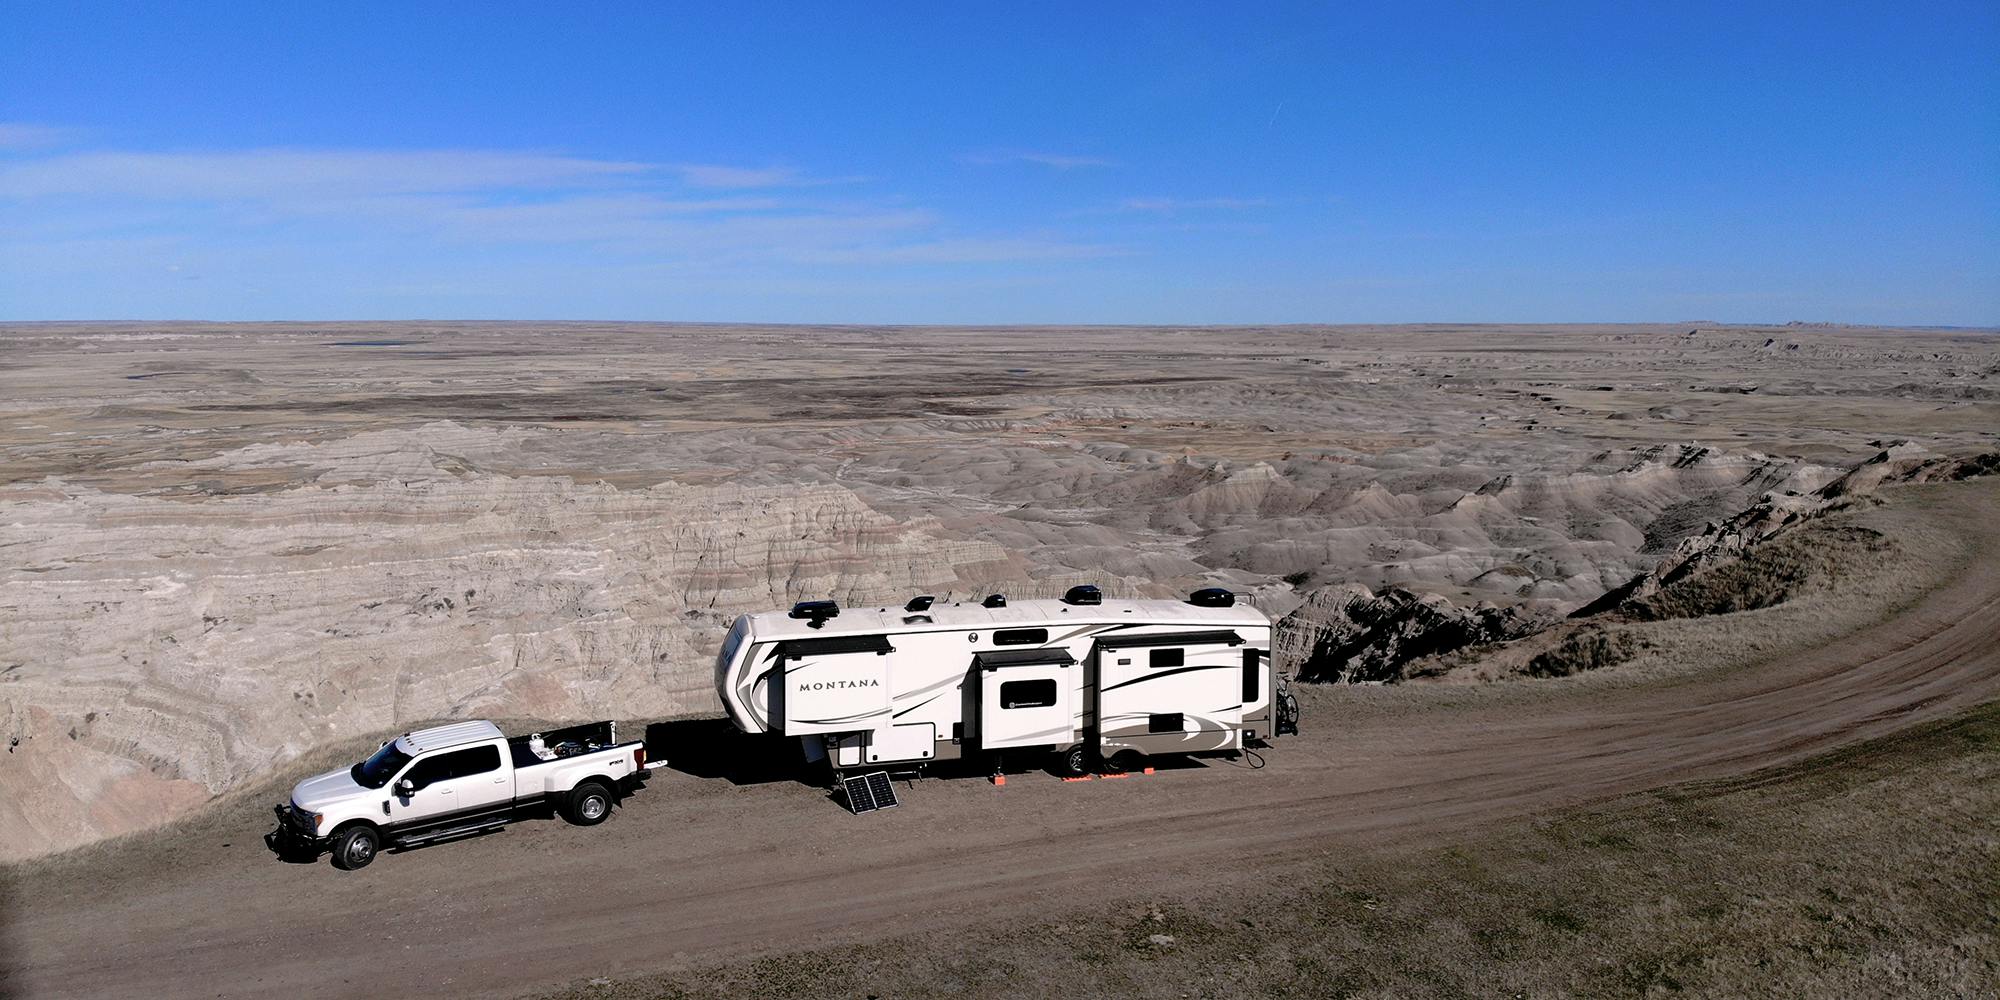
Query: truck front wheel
point(589, 804)
point(354, 847)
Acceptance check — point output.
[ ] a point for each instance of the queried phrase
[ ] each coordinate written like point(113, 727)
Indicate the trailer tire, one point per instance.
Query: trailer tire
point(588, 804)
point(1074, 762)
point(355, 847)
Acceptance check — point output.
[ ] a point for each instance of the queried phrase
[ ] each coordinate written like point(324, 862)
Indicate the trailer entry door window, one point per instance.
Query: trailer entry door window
point(1028, 694)
point(1020, 636)
point(1166, 657)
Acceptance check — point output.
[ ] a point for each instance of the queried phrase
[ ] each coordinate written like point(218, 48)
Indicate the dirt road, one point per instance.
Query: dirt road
point(698, 869)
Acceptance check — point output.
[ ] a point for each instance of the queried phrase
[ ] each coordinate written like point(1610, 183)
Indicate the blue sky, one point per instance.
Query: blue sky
point(1004, 163)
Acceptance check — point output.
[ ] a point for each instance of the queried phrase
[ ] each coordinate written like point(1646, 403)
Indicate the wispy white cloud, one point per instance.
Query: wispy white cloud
point(710, 175)
point(298, 224)
point(272, 173)
point(967, 251)
point(26, 135)
point(1166, 205)
point(1056, 161)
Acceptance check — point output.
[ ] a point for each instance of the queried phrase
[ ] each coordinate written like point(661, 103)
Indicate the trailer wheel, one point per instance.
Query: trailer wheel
point(1074, 762)
point(355, 846)
point(588, 805)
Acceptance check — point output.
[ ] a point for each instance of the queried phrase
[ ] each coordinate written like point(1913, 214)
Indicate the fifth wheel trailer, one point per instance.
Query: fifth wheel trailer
point(1087, 679)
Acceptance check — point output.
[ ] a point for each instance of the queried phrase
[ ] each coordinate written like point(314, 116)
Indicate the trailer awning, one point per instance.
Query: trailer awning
point(1141, 640)
point(795, 648)
point(1056, 656)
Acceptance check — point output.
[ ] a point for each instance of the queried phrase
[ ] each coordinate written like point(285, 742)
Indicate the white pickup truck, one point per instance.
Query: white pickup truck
point(456, 780)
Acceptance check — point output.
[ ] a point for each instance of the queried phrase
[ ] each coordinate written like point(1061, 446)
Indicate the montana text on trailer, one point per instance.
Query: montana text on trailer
point(1094, 683)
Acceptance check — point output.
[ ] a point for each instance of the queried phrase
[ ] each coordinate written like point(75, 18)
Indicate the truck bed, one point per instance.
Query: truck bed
point(573, 741)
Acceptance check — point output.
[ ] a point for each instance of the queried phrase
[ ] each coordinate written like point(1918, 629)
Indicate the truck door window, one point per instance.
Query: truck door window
point(456, 764)
point(478, 760)
point(1027, 694)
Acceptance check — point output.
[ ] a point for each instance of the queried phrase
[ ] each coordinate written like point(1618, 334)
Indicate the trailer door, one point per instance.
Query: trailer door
point(1026, 698)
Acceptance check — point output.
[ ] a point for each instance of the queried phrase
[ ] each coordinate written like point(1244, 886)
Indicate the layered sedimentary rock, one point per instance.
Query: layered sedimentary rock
point(156, 651)
point(1729, 538)
point(1347, 633)
point(1350, 634)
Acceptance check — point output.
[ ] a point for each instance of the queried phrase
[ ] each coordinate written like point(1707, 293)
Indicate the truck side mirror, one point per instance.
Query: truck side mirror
point(406, 788)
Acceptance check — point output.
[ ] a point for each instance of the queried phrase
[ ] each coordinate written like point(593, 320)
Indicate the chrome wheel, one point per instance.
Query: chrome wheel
point(593, 807)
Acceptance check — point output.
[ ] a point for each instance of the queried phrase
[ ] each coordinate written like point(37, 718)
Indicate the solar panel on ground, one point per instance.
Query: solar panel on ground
point(868, 792)
point(859, 798)
point(885, 793)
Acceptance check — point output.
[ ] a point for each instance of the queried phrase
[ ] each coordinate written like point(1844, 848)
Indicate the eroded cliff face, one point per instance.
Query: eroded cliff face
point(157, 651)
point(1751, 559)
point(1350, 634)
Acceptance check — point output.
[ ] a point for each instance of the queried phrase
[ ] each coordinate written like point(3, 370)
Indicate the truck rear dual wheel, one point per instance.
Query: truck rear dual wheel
point(355, 846)
point(588, 804)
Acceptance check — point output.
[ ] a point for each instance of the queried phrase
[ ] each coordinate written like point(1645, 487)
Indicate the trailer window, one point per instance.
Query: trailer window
point(1166, 722)
point(1028, 694)
point(1020, 636)
point(1166, 657)
point(731, 643)
point(1252, 686)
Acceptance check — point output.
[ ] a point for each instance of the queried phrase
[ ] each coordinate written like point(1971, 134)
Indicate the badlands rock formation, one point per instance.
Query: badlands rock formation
point(226, 544)
point(1348, 633)
point(1720, 542)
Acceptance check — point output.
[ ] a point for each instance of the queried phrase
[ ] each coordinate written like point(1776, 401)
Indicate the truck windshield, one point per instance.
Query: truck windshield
point(377, 770)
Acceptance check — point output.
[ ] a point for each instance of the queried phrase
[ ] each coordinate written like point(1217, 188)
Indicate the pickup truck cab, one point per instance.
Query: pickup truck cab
point(455, 780)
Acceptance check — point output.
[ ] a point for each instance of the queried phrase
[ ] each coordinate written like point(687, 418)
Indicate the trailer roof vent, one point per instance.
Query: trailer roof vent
point(994, 601)
point(1085, 594)
point(816, 612)
point(919, 604)
point(1212, 597)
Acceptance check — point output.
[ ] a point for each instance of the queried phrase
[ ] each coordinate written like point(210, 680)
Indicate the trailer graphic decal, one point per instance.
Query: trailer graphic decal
point(1158, 674)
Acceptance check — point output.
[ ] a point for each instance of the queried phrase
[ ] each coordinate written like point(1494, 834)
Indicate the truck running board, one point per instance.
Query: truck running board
point(425, 837)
